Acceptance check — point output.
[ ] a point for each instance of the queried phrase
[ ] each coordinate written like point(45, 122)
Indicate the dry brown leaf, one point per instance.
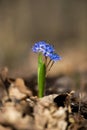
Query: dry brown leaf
point(5, 128)
point(18, 89)
point(48, 115)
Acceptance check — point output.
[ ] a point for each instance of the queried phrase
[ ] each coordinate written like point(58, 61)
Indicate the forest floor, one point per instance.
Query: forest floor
point(63, 107)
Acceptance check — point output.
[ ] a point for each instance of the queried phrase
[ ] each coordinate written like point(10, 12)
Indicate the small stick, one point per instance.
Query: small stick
point(49, 67)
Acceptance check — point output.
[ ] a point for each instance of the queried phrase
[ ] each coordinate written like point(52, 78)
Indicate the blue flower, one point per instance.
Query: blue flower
point(43, 47)
point(39, 47)
point(49, 50)
point(46, 49)
point(55, 57)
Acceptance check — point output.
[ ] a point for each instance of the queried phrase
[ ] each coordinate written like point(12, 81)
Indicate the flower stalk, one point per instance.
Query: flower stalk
point(41, 76)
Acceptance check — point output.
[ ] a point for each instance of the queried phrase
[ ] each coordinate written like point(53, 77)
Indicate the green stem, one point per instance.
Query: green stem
point(41, 76)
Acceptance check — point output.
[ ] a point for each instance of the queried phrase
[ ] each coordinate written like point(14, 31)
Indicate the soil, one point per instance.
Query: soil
point(63, 107)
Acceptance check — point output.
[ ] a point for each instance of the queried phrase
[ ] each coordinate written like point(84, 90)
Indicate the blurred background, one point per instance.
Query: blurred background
point(62, 23)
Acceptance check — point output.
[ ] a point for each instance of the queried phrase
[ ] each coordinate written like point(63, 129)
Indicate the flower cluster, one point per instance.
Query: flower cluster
point(47, 50)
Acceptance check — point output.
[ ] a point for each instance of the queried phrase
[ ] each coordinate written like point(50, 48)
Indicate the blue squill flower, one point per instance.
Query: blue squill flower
point(47, 50)
point(39, 47)
point(43, 47)
point(46, 58)
point(55, 57)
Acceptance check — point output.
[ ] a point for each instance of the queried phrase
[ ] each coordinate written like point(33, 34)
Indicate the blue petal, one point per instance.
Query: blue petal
point(55, 57)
